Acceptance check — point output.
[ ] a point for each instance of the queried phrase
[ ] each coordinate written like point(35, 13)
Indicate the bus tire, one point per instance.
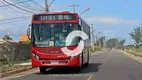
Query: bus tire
point(42, 69)
point(82, 59)
point(87, 63)
point(77, 69)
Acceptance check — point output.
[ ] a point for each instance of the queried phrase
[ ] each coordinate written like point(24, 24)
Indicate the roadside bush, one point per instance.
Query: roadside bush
point(96, 48)
point(134, 49)
point(139, 50)
point(134, 53)
point(13, 52)
point(3, 62)
point(26, 42)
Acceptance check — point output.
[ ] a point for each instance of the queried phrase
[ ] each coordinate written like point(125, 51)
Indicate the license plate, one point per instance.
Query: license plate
point(54, 62)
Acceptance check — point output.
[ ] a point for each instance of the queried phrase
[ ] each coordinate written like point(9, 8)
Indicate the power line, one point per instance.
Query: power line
point(18, 7)
point(38, 4)
point(16, 3)
point(51, 6)
point(7, 9)
point(15, 21)
point(11, 9)
point(51, 3)
point(52, 9)
point(29, 6)
point(14, 18)
point(34, 6)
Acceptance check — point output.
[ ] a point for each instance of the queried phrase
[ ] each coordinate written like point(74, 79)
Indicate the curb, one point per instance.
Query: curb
point(2, 75)
point(138, 59)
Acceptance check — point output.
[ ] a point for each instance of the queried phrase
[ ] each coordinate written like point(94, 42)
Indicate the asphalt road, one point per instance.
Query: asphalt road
point(108, 65)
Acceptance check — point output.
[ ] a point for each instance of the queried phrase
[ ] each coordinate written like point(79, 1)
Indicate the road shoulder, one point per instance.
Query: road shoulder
point(139, 59)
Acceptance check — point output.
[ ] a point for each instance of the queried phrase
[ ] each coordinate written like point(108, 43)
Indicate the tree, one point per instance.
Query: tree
point(7, 37)
point(100, 41)
point(121, 43)
point(112, 43)
point(136, 35)
point(115, 43)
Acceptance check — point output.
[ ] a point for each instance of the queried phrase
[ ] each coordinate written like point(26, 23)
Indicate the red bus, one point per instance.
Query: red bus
point(48, 36)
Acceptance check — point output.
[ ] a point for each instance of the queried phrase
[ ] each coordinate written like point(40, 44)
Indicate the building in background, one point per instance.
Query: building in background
point(23, 38)
point(1, 40)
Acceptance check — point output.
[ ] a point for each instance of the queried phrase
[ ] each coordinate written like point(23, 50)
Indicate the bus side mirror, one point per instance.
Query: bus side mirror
point(29, 32)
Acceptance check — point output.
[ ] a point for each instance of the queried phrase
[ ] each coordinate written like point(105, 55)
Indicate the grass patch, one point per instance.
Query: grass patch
point(18, 62)
point(133, 53)
point(3, 63)
point(12, 68)
point(5, 66)
point(96, 48)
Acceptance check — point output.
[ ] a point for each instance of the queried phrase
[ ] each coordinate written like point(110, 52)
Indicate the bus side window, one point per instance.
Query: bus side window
point(79, 27)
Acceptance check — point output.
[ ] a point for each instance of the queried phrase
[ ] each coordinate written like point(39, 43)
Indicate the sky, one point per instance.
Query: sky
point(113, 18)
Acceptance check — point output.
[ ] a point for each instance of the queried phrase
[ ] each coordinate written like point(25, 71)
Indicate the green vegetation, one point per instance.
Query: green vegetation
point(6, 37)
point(96, 48)
point(5, 66)
point(3, 63)
point(136, 35)
point(136, 48)
point(26, 42)
point(11, 54)
point(12, 68)
point(115, 43)
point(135, 53)
point(100, 41)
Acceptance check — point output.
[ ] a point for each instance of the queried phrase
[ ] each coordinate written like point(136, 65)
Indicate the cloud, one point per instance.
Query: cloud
point(114, 26)
point(112, 20)
point(107, 33)
point(1, 17)
point(105, 20)
point(4, 27)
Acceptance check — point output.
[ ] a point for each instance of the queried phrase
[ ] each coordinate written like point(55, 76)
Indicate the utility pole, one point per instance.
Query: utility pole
point(46, 6)
point(99, 38)
point(73, 6)
point(92, 33)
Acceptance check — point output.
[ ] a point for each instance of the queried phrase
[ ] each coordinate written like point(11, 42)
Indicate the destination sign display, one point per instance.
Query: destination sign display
point(55, 17)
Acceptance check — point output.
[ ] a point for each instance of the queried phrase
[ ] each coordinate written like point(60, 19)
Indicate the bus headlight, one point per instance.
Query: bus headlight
point(73, 56)
point(35, 56)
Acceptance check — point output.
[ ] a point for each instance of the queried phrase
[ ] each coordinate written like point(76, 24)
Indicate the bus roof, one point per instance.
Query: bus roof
point(62, 12)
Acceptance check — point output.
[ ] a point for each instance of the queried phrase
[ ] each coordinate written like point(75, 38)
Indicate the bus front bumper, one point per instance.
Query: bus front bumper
point(56, 63)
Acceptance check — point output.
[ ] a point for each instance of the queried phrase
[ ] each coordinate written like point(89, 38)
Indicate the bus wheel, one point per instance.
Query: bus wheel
point(42, 69)
point(77, 69)
point(87, 63)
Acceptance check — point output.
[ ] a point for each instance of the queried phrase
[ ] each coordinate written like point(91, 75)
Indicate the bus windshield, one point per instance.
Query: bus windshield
point(53, 34)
